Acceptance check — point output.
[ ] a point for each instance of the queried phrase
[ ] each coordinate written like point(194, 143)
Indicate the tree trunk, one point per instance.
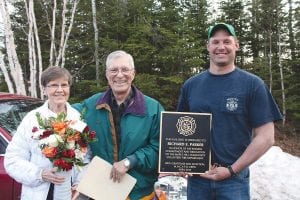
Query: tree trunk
point(68, 33)
point(62, 34)
point(291, 30)
point(60, 59)
point(281, 79)
point(6, 74)
point(96, 40)
point(15, 69)
point(34, 50)
point(270, 61)
point(39, 52)
point(31, 50)
point(52, 29)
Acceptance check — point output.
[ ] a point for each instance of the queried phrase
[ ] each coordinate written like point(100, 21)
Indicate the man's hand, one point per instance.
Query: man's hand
point(217, 173)
point(118, 171)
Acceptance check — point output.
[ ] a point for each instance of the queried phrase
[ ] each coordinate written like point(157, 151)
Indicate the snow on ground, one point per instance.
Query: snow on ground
point(275, 176)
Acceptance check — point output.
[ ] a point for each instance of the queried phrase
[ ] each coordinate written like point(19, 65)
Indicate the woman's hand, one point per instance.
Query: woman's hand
point(50, 176)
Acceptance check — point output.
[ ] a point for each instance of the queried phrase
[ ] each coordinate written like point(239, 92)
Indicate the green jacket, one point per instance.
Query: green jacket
point(139, 127)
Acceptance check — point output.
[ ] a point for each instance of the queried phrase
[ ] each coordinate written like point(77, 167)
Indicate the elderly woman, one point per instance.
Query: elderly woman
point(24, 160)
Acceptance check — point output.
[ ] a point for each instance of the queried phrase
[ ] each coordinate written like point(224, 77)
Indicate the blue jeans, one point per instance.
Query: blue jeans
point(234, 188)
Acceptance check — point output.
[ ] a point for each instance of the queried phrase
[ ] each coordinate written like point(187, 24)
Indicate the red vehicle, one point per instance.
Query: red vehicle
point(12, 110)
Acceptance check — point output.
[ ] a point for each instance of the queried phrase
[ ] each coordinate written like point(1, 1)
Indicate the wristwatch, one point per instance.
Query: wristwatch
point(232, 173)
point(126, 163)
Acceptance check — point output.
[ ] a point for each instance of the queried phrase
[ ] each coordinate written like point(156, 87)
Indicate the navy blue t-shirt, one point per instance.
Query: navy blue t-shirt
point(239, 101)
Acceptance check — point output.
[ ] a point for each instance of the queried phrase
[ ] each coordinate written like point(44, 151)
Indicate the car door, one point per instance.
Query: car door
point(9, 188)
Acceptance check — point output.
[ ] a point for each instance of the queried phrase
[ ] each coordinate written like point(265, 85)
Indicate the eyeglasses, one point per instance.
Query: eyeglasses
point(123, 70)
point(56, 86)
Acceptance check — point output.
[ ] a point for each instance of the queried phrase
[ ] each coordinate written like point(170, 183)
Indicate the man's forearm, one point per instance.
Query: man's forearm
point(262, 141)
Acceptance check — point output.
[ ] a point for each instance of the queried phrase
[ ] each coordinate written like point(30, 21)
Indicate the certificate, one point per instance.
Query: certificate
point(184, 142)
point(97, 184)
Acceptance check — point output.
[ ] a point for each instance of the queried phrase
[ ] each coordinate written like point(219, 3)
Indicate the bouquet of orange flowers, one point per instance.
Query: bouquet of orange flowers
point(63, 141)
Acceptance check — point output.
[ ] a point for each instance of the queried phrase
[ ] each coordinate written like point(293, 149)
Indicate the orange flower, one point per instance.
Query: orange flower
point(49, 152)
point(59, 127)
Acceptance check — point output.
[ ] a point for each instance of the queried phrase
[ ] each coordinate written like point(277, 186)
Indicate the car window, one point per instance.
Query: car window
point(3, 145)
point(13, 111)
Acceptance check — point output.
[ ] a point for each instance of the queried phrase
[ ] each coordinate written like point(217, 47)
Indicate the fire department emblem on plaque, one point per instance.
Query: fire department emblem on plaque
point(186, 125)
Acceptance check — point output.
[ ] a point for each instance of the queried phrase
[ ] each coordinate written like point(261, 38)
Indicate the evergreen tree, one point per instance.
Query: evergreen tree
point(194, 37)
point(233, 12)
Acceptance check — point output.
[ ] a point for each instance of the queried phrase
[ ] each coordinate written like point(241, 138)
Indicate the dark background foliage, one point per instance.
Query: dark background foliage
point(167, 39)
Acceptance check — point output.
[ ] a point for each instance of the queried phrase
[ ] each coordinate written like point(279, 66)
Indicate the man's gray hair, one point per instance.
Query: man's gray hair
point(118, 54)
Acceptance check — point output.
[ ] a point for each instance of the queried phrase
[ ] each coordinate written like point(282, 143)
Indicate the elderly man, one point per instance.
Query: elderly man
point(127, 126)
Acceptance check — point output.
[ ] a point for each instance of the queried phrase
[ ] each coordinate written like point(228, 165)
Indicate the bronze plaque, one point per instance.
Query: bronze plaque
point(184, 142)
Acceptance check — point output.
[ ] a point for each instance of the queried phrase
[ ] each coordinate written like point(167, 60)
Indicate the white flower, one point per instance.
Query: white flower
point(36, 135)
point(54, 139)
point(79, 154)
point(78, 125)
point(71, 145)
point(43, 142)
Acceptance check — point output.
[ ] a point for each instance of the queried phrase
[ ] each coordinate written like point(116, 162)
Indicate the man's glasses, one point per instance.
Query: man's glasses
point(123, 70)
point(56, 86)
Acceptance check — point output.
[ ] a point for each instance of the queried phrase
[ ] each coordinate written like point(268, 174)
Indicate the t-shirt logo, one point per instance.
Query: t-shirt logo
point(232, 104)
